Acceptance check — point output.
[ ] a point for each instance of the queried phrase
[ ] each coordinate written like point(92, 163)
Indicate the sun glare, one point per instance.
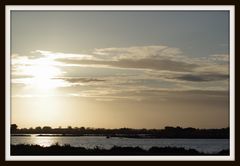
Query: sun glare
point(43, 75)
point(42, 71)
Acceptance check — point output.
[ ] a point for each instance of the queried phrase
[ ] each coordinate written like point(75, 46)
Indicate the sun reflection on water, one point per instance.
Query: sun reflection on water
point(44, 141)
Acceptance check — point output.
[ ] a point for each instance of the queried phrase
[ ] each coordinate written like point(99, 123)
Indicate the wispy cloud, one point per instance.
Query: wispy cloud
point(81, 80)
point(136, 53)
point(59, 55)
point(153, 64)
point(203, 77)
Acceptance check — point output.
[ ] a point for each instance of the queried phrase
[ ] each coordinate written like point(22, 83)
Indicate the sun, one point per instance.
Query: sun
point(43, 75)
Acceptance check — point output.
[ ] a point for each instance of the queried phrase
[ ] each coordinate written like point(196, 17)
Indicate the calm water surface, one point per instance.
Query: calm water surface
point(203, 145)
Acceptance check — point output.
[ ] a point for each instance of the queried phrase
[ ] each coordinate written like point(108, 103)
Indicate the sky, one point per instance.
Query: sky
point(137, 69)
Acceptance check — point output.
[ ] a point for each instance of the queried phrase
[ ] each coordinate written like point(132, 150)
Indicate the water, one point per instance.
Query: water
point(202, 145)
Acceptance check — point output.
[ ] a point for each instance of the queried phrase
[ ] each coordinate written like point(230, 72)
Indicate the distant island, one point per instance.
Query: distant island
point(167, 132)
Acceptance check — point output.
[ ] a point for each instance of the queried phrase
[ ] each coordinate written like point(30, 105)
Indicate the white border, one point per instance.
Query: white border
point(229, 8)
point(7, 84)
point(120, 7)
point(232, 82)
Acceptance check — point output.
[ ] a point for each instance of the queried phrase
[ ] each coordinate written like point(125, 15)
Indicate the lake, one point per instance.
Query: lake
point(202, 145)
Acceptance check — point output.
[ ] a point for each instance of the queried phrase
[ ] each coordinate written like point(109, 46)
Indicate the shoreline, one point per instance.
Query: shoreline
point(110, 136)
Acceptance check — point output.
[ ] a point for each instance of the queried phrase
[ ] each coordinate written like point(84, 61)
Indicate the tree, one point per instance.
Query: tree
point(13, 128)
point(38, 128)
point(46, 128)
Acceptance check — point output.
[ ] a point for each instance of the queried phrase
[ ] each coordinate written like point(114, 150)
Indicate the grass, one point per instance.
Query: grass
point(22, 149)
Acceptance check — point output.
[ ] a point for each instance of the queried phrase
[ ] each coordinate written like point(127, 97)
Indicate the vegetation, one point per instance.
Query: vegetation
point(69, 150)
point(167, 132)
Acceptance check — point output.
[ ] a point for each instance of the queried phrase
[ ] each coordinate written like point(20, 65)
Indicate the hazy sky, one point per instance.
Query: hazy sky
point(120, 69)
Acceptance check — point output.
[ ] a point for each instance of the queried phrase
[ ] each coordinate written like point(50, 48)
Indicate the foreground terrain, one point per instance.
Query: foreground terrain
point(56, 149)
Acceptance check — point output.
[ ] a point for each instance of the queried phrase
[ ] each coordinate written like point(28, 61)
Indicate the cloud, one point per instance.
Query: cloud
point(189, 92)
point(160, 72)
point(162, 95)
point(80, 80)
point(159, 58)
point(153, 64)
point(136, 53)
point(220, 57)
point(60, 55)
point(203, 77)
point(155, 57)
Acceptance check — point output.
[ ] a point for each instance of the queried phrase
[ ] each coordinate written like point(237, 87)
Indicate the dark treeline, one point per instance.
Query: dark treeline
point(69, 150)
point(167, 132)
